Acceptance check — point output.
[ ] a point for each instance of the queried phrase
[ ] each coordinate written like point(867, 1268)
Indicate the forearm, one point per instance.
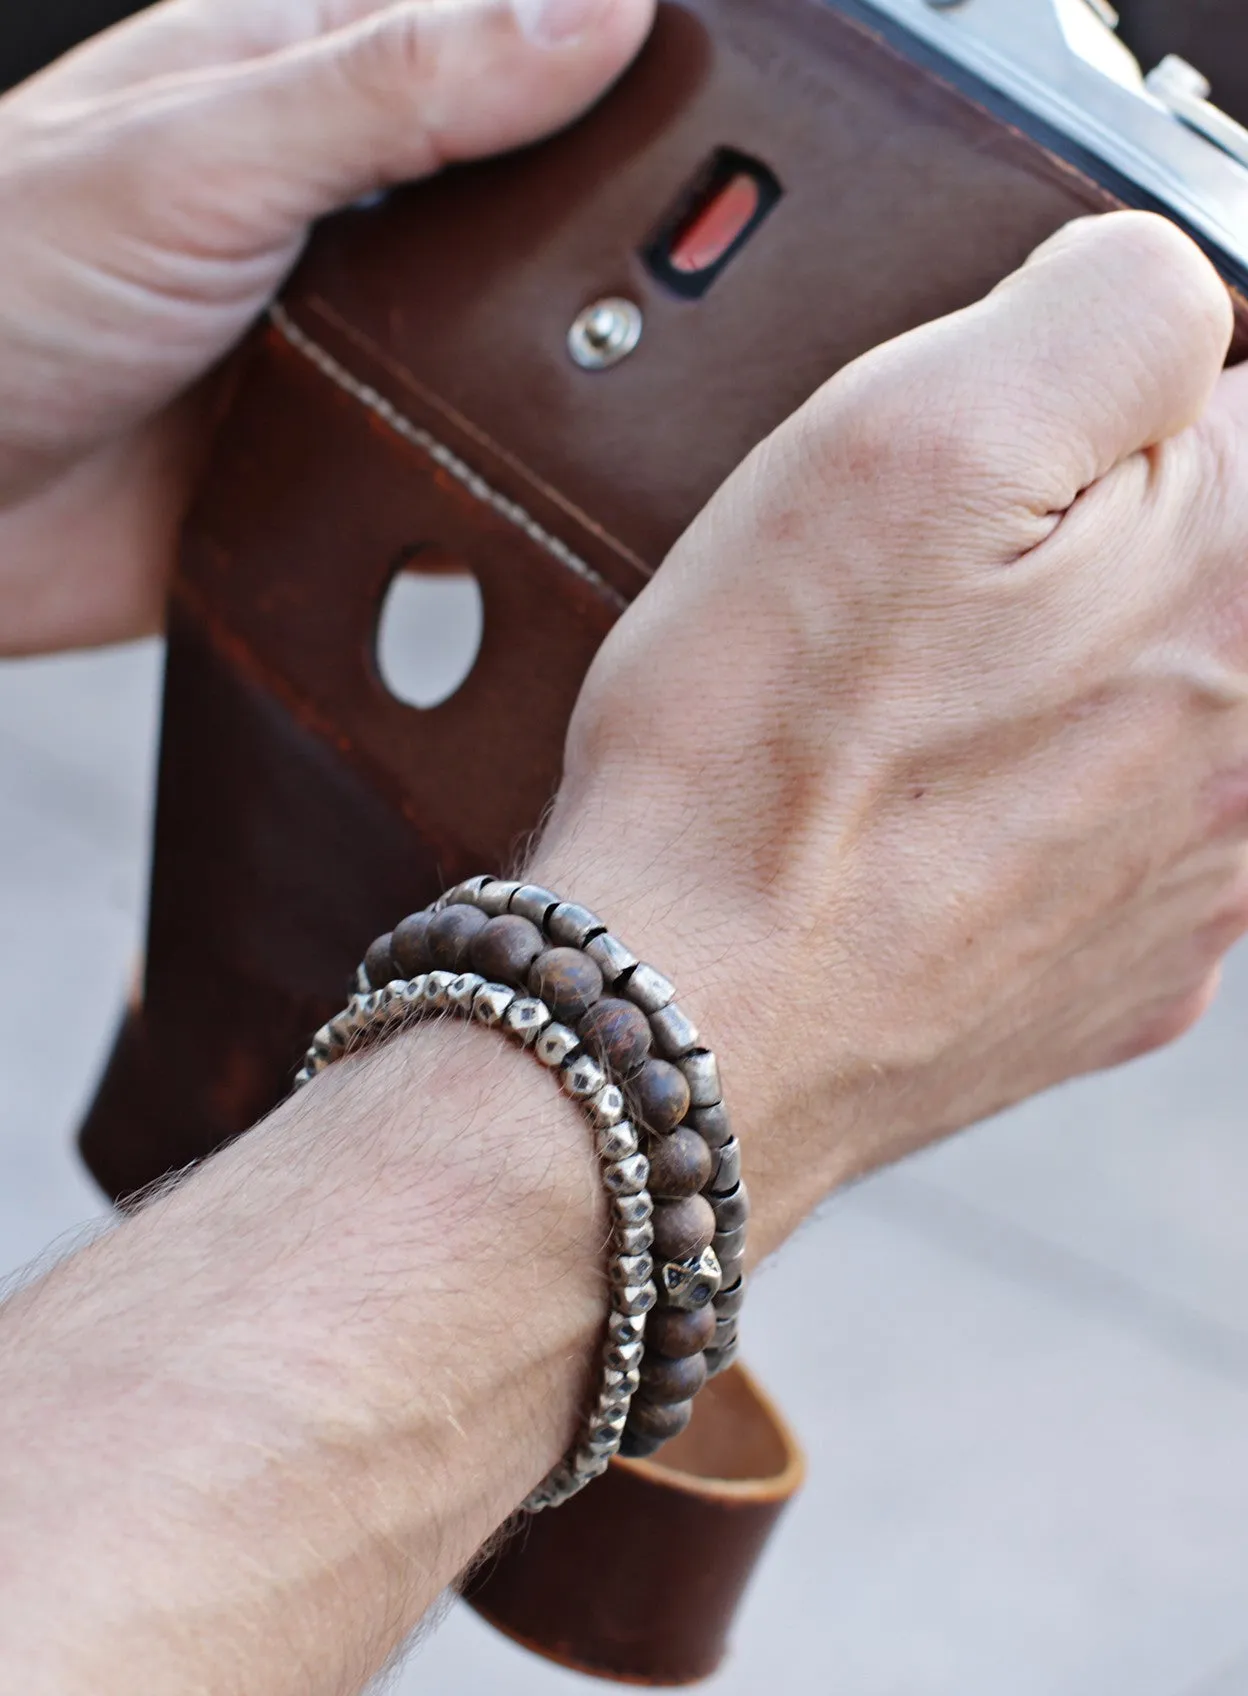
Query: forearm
point(247, 1439)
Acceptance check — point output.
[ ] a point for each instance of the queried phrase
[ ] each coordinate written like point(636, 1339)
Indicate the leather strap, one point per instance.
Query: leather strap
point(640, 1576)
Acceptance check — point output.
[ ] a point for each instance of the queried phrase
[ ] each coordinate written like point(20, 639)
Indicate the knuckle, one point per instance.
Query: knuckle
point(388, 56)
point(921, 424)
point(1162, 270)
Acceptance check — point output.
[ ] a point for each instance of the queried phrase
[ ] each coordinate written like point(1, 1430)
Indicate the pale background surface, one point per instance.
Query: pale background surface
point(1020, 1363)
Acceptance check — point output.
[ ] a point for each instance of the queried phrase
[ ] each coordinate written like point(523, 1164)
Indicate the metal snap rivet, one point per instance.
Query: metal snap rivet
point(605, 333)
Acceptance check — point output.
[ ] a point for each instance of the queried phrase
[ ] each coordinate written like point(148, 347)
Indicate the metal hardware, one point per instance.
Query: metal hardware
point(605, 333)
point(1060, 61)
point(1183, 90)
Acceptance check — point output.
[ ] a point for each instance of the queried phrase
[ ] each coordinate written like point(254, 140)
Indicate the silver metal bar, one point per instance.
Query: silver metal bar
point(1059, 60)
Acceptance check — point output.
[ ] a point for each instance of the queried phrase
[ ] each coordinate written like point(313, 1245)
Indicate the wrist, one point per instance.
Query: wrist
point(806, 1128)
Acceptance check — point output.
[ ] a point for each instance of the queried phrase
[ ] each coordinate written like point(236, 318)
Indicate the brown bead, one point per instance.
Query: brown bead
point(661, 1093)
point(450, 935)
point(568, 981)
point(379, 962)
point(663, 1420)
point(505, 948)
point(677, 1380)
point(683, 1228)
point(633, 1447)
point(680, 1165)
point(678, 1334)
point(409, 946)
point(619, 1034)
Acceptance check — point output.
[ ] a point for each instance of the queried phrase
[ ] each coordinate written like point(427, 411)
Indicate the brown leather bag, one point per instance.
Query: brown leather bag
point(777, 185)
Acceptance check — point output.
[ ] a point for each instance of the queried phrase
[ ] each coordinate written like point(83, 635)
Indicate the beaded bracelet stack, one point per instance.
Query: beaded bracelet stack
point(550, 975)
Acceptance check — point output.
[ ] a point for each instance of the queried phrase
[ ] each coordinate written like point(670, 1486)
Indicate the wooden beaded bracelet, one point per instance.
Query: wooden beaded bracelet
point(550, 975)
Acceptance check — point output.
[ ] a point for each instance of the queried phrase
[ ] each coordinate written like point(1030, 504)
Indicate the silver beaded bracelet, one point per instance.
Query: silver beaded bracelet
point(560, 959)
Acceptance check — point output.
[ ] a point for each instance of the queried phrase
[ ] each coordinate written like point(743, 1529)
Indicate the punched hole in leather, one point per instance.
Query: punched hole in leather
point(640, 1577)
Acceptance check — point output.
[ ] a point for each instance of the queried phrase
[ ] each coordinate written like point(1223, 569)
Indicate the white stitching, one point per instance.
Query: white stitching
point(441, 455)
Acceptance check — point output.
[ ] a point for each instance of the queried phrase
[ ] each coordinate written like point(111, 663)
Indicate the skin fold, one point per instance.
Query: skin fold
point(921, 767)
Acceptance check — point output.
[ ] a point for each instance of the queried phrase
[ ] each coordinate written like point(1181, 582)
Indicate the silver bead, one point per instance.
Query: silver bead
point(608, 1414)
point(674, 1035)
point(604, 1443)
point(360, 984)
point(627, 1177)
point(327, 1039)
point(469, 891)
point(462, 992)
point(555, 1044)
point(606, 1107)
point(621, 1383)
point(731, 1242)
point(603, 1427)
point(730, 1301)
point(635, 1239)
point(701, 1071)
point(690, 1284)
point(583, 1077)
point(629, 1269)
point(617, 1142)
point(718, 1360)
point(437, 985)
point(571, 926)
point(634, 1208)
point(345, 1027)
point(712, 1124)
point(727, 1173)
point(611, 957)
point(726, 1331)
point(526, 1019)
point(533, 902)
point(492, 1002)
point(414, 991)
point(624, 1356)
point(626, 1327)
point(614, 1399)
point(650, 990)
point(732, 1210)
point(302, 1077)
point(494, 898)
point(634, 1298)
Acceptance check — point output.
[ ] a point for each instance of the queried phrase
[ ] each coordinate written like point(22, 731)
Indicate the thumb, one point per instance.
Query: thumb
point(388, 96)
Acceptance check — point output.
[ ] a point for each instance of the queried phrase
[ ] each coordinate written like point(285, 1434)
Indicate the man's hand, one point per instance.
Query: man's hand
point(155, 188)
point(930, 742)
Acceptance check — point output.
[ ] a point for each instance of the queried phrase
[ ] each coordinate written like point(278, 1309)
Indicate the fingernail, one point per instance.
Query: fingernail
point(558, 23)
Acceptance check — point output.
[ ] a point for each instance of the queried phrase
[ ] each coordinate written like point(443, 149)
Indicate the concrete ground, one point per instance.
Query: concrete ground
point(1020, 1363)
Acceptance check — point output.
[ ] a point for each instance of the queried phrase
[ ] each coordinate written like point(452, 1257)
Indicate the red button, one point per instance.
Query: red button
point(714, 229)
